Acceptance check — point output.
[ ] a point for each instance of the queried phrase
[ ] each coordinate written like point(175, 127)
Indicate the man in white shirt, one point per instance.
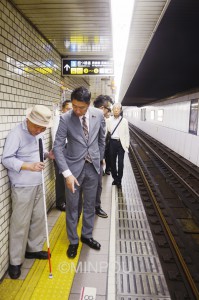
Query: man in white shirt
point(119, 143)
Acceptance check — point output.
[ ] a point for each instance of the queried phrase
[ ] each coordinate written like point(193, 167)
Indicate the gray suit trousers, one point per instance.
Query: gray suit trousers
point(99, 188)
point(88, 180)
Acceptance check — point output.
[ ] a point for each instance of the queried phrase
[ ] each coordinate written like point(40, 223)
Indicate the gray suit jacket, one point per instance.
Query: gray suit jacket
point(74, 157)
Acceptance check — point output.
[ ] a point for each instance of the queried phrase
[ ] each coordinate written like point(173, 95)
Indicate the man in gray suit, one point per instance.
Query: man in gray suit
point(84, 128)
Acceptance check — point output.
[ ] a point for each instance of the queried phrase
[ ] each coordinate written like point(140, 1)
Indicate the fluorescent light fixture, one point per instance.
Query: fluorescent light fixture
point(122, 11)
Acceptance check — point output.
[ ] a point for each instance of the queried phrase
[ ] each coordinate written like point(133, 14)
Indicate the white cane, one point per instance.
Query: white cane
point(41, 153)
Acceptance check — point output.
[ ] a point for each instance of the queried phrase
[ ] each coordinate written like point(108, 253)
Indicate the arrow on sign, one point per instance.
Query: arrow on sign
point(66, 67)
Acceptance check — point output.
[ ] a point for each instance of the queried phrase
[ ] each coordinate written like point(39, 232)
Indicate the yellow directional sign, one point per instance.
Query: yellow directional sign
point(73, 71)
point(79, 70)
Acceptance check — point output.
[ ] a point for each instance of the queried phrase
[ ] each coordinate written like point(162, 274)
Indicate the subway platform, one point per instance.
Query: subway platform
point(126, 268)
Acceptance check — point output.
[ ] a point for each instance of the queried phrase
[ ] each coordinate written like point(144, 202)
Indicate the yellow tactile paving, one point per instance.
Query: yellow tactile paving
point(37, 284)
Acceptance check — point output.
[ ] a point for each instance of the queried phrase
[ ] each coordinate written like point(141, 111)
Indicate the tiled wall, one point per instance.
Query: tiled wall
point(30, 73)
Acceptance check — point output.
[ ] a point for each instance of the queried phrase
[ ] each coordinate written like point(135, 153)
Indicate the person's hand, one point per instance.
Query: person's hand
point(34, 167)
point(50, 154)
point(70, 183)
point(102, 162)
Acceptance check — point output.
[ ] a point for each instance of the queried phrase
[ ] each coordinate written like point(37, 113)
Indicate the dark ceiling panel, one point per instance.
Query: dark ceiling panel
point(171, 62)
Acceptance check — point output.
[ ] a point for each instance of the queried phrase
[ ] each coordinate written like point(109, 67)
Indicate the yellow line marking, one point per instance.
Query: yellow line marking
point(37, 284)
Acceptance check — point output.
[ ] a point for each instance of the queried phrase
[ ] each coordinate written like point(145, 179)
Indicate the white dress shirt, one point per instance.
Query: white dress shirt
point(114, 122)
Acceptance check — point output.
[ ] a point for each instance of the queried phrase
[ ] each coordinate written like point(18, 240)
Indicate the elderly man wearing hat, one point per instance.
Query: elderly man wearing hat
point(21, 158)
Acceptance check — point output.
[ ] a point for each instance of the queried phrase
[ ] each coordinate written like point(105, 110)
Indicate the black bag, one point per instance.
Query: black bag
point(108, 139)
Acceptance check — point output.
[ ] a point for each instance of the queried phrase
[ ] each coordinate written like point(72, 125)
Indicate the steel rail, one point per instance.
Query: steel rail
point(167, 229)
point(166, 164)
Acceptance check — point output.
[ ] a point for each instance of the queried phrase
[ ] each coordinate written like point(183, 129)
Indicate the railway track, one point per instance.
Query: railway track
point(169, 187)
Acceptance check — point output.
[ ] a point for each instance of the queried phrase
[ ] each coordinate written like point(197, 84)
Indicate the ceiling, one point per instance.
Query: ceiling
point(170, 65)
point(145, 20)
point(162, 51)
point(75, 28)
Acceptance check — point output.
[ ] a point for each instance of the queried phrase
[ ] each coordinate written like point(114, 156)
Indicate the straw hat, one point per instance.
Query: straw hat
point(40, 115)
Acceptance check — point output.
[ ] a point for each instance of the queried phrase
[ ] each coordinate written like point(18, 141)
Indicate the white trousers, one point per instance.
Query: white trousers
point(27, 223)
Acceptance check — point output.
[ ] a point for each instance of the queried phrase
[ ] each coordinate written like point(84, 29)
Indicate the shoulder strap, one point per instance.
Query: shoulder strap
point(116, 126)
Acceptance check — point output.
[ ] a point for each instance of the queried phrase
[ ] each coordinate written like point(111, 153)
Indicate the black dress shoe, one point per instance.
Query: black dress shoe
point(61, 207)
point(91, 243)
point(100, 213)
point(119, 185)
point(72, 250)
point(108, 172)
point(14, 271)
point(37, 255)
